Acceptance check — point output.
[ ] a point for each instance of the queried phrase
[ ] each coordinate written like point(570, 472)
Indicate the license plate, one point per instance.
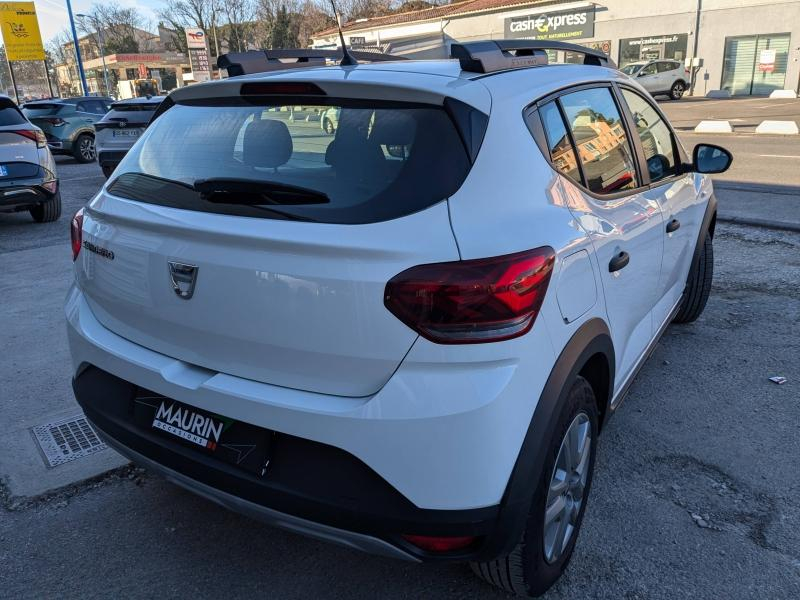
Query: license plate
point(3, 171)
point(124, 133)
point(226, 439)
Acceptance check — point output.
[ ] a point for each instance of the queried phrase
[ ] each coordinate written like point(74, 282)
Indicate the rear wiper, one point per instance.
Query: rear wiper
point(255, 192)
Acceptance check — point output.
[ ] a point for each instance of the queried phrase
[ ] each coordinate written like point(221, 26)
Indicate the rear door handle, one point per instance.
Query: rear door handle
point(620, 261)
point(673, 225)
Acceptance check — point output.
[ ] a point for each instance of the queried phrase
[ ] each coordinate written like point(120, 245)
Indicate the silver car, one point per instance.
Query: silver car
point(28, 178)
point(120, 127)
point(660, 77)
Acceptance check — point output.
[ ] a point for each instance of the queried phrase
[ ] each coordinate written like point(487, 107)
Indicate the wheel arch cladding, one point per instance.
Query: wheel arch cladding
point(590, 354)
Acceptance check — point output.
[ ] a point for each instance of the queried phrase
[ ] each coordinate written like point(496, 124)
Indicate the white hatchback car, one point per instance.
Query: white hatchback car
point(661, 77)
point(404, 337)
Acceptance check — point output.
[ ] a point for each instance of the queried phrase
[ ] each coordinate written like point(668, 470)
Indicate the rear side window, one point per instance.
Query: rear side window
point(659, 148)
point(562, 153)
point(602, 144)
point(132, 113)
point(667, 66)
point(11, 116)
point(364, 162)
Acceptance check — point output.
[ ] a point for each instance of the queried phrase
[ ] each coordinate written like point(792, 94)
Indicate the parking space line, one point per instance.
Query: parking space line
point(84, 177)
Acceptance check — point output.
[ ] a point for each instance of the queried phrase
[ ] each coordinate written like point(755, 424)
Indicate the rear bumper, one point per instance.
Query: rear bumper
point(430, 454)
point(110, 158)
point(21, 194)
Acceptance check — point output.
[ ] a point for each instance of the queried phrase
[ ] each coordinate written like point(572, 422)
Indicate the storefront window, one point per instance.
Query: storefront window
point(653, 48)
point(755, 64)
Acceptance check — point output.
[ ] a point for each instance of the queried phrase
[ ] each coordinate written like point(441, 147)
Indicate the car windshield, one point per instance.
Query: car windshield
point(373, 162)
point(632, 69)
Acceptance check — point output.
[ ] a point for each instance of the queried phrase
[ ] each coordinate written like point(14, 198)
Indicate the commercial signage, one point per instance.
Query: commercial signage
point(357, 41)
point(766, 61)
point(560, 25)
point(199, 58)
point(20, 28)
point(653, 48)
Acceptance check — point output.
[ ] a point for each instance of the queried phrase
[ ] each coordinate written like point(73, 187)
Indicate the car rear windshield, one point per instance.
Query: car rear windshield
point(134, 107)
point(11, 116)
point(44, 110)
point(341, 162)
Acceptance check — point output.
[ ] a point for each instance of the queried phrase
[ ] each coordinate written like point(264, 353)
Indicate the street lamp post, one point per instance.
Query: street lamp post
point(97, 27)
point(77, 50)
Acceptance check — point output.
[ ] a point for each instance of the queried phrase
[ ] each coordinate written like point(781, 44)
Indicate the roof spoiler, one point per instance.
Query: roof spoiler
point(499, 55)
point(263, 61)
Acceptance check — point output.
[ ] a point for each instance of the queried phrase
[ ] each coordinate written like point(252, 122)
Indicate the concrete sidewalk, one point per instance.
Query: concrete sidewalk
point(35, 372)
point(773, 207)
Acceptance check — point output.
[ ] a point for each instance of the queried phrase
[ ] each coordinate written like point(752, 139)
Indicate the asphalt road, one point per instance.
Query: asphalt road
point(694, 494)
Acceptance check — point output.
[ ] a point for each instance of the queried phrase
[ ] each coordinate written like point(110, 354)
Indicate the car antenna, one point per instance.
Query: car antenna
point(347, 58)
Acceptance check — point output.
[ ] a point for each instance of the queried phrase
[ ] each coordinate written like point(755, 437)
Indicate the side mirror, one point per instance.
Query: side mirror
point(708, 158)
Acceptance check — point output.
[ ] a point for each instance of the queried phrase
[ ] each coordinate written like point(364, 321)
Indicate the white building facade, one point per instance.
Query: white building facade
point(748, 47)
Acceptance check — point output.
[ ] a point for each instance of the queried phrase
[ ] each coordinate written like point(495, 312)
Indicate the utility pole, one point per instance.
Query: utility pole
point(97, 28)
point(695, 46)
point(84, 87)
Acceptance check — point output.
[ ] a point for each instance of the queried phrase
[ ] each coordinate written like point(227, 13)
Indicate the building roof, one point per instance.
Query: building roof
point(464, 7)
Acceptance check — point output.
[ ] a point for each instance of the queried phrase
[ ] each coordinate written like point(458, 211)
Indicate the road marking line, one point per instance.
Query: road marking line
point(86, 177)
point(778, 155)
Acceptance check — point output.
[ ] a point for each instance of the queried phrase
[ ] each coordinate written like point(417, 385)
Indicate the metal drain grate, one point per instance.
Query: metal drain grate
point(67, 439)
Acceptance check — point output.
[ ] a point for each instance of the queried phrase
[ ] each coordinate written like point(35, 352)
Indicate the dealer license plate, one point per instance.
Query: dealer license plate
point(226, 439)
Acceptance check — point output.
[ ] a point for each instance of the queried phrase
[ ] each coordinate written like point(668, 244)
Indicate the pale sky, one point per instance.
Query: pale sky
point(53, 13)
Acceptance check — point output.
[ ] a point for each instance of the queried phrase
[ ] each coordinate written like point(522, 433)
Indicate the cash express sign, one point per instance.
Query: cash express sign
point(562, 25)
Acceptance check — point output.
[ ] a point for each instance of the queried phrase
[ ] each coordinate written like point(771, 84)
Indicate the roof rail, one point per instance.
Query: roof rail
point(262, 61)
point(498, 55)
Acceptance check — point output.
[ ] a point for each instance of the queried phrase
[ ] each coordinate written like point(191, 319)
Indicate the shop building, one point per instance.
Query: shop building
point(748, 47)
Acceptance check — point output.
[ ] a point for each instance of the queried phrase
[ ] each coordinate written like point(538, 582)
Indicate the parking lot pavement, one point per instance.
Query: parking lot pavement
point(694, 495)
point(36, 268)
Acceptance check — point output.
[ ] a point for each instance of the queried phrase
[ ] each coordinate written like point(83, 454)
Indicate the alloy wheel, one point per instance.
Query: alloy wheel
point(565, 495)
point(87, 149)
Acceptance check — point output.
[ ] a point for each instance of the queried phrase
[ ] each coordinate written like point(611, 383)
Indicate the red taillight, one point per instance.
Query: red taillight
point(76, 232)
point(472, 301)
point(440, 544)
point(51, 186)
point(37, 135)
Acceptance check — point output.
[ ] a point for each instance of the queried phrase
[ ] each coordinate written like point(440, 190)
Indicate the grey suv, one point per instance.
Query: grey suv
point(660, 77)
point(27, 170)
point(68, 123)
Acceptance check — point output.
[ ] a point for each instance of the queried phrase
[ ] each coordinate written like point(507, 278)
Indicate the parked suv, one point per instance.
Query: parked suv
point(119, 129)
point(405, 337)
point(661, 77)
point(68, 123)
point(27, 170)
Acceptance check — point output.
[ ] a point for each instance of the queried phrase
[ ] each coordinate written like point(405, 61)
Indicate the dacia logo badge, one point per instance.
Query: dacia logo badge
point(183, 278)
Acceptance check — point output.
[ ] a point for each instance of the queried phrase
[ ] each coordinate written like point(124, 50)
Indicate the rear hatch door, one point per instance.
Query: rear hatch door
point(277, 271)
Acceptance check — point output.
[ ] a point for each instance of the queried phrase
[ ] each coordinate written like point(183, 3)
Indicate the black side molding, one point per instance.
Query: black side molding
point(593, 337)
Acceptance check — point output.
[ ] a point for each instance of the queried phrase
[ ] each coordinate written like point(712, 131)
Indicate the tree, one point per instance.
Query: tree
point(238, 30)
point(179, 14)
point(283, 33)
point(120, 27)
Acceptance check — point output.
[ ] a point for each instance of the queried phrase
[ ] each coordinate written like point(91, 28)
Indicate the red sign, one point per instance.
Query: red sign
point(142, 71)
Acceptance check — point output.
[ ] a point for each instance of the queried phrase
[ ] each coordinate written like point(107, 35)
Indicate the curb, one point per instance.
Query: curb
point(762, 223)
point(713, 127)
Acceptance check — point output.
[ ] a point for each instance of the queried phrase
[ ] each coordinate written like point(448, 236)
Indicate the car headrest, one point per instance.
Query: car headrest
point(393, 128)
point(352, 153)
point(267, 143)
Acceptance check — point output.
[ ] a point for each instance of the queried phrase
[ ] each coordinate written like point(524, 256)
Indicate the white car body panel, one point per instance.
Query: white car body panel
point(443, 424)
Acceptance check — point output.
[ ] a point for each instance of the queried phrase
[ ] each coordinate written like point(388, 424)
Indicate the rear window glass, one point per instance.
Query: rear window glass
point(43, 110)
point(343, 162)
point(11, 116)
point(131, 107)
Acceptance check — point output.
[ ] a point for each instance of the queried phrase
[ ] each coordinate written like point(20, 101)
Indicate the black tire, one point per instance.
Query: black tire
point(677, 90)
point(47, 211)
point(525, 571)
point(107, 171)
point(84, 150)
point(698, 284)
